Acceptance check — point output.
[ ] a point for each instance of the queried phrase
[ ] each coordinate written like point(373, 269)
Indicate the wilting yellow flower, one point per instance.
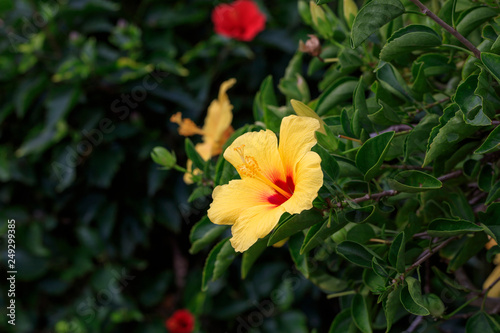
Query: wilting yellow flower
point(274, 180)
point(216, 130)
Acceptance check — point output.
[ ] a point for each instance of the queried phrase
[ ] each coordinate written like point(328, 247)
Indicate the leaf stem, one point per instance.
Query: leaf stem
point(451, 30)
point(349, 138)
point(344, 293)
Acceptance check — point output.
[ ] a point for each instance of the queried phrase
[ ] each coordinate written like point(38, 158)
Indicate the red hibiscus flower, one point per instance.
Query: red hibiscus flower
point(182, 321)
point(241, 20)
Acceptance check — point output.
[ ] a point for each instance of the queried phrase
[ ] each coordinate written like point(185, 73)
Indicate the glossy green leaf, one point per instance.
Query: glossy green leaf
point(471, 103)
point(491, 222)
point(360, 215)
point(411, 298)
point(372, 17)
point(491, 143)
point(391, 306)
point(193, 155)
point(386, 115)
point(410, 38)
point(482, 322)
point(329, 165)
point(469, 249)
point(294, 244)
point(492, 63)
point(474, 17)
point(356, 253)
point(447, 228)
point(360, 314)
point(295, 223)
point(448, 137)
point(485, 178)
point(203, 233)
point(370, 156)
point(494, 193)
point(434, 304)
point(217, 262)
point(319, 232)
point(339, 91)
point(397, 253)
point(251, 255)
point(414, 181)
point(342, 322)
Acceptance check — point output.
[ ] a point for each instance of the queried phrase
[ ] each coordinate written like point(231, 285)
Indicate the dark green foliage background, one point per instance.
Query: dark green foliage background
point(82, 219)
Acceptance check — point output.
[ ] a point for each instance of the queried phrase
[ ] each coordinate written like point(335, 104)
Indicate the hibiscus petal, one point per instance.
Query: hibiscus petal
point(219, 115)
point(297, 137)
point(263, 148)
point(256, 222)
point(234, 199)
point(308, 179)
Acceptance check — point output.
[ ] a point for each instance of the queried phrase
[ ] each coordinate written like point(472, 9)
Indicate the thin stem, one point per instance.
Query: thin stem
point(415, 324)
point(451, 175)
point(456, 47)
point(428, 253)
point(349, 138)
point(428, 106)
point(344, 293)
point(405, 167)
point(448, 316)
point(451, 30)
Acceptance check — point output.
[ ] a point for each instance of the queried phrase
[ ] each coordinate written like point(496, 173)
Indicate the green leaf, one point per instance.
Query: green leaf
point(397, 253)
point(408, 39)
point(482, 322)
point(447, 228)
point(411, 298)
point(494, 193)
point(392, 81)
point(251, 255)
point(218, 260)
point(329, 165)
point(27, 91)
point(294, 245)
point(414, 181)
point(263, 100)
point(370, 156)
point(491, 222)
point(391, 306)
point(416, 140)
point(492, 63)
point(385, 116)
point(193, 155)
point(360, 314)
point(448, 137)
point(163, 157)
point(485, 178)
point(319, 232)
point(470, 97)
point(342, 322)
point(360, 215)
point(434, 304)
point(204, 233)
point(473, 18)
point(295, 223)
point(372, 17)
point(339, 91)
point(467, 250)
point(303, 110)
point(491, 143)
point(356, 253)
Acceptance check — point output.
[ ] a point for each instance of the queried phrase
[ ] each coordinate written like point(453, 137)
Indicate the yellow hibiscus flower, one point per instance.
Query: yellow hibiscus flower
point(274, 180)
point(216, 130)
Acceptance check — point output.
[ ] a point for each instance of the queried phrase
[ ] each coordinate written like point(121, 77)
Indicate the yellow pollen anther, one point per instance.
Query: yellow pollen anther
point(250, 168)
